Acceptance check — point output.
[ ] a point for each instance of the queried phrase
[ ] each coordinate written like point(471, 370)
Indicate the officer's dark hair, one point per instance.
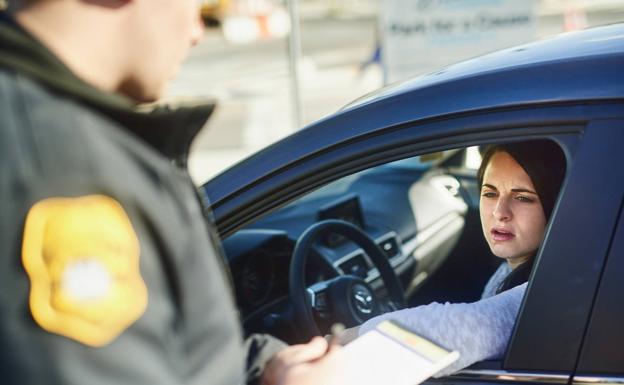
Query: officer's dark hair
point(545, 163)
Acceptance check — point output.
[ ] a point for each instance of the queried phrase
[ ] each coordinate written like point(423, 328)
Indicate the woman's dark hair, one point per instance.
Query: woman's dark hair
point(545, 163)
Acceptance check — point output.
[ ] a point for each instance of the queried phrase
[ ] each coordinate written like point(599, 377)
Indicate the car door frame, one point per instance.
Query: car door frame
point(579, 127)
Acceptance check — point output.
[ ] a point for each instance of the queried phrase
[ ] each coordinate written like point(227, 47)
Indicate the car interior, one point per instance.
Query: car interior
point(294, 269)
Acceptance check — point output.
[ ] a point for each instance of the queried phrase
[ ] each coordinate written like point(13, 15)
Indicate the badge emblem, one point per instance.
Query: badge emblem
point(82, 258)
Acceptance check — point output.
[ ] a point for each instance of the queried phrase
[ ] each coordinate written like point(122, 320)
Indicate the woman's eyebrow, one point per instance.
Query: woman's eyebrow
point(523, 190)
point(516, 190)
point(489, 186)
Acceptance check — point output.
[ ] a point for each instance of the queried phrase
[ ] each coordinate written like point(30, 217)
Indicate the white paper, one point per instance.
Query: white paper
point(378, 358)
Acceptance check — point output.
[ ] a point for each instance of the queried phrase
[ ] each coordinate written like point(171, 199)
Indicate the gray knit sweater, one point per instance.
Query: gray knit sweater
point(478, 331)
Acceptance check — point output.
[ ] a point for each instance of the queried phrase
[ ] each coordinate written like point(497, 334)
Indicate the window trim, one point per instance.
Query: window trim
point(597, 380)
point(510, 376)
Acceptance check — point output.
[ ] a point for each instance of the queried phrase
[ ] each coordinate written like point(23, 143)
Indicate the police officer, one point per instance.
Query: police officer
point(108, 272)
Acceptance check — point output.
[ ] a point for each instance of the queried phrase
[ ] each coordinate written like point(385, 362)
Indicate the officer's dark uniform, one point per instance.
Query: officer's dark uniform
point(62, 140)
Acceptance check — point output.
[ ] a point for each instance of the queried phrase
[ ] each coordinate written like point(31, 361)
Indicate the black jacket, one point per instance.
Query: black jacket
point(62, 138)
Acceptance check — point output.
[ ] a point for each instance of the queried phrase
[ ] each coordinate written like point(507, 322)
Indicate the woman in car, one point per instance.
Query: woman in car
point(543, 163)
point(519, 186)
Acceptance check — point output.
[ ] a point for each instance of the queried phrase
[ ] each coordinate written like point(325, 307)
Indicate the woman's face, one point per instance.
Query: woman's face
point(512, 217)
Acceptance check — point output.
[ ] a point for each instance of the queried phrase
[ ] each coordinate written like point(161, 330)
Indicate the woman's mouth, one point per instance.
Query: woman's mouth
point(501, 235)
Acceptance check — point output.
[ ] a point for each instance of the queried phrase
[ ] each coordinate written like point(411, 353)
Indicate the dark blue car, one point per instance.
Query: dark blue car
point(384, 193)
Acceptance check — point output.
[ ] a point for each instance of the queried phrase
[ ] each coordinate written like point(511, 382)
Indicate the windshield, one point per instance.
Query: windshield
point(342, 185)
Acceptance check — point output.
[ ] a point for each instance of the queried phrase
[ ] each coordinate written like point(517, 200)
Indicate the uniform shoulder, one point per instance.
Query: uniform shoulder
point(51, 133)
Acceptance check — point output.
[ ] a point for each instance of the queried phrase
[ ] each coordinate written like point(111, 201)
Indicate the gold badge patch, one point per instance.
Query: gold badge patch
point(82, 258)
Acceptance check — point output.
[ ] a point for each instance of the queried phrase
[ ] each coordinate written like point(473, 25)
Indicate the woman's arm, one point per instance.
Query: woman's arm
point(478, 331)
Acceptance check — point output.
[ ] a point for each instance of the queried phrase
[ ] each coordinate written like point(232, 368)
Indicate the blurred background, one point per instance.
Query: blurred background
point(275, 66)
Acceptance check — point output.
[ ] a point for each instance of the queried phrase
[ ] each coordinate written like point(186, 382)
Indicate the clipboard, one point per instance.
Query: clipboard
point(392, 354)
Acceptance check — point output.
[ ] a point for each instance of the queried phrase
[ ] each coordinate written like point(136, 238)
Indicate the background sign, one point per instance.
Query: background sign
point(420, 36)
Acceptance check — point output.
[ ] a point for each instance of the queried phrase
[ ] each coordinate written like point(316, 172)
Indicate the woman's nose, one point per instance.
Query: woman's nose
point(502, 211)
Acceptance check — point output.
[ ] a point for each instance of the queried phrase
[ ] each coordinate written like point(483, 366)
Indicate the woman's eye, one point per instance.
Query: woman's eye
point(488, 194)
point(523, 198)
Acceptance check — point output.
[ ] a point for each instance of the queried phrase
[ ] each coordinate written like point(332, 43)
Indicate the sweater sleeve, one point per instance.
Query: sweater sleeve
point(478, 331)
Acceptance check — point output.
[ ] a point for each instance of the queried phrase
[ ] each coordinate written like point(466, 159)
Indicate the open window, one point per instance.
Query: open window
point(421, 211)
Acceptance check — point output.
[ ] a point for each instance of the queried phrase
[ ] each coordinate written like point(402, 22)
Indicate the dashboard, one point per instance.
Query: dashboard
point(415, 216)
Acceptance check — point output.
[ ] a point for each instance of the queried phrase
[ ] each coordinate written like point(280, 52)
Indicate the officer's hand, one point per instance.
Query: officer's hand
point(311, 363)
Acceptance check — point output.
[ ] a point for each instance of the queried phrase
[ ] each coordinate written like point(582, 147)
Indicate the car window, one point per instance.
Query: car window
point(422, 210)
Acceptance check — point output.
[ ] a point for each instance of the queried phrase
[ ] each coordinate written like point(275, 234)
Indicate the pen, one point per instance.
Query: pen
point(334, 337)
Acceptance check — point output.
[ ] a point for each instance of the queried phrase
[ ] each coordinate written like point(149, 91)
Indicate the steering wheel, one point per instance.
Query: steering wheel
point(349, 299)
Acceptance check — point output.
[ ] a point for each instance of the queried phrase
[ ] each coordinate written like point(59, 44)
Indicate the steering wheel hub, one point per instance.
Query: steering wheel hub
point(352, 300)
point(362, 297)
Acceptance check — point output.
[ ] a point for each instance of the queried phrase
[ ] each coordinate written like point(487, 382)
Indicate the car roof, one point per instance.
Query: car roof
point(578, 67)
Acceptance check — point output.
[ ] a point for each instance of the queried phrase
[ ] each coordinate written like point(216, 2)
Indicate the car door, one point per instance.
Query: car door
point(555, 315)
point(602, 357)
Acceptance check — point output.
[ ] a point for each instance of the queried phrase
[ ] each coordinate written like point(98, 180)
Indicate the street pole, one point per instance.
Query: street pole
point(294, 48)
